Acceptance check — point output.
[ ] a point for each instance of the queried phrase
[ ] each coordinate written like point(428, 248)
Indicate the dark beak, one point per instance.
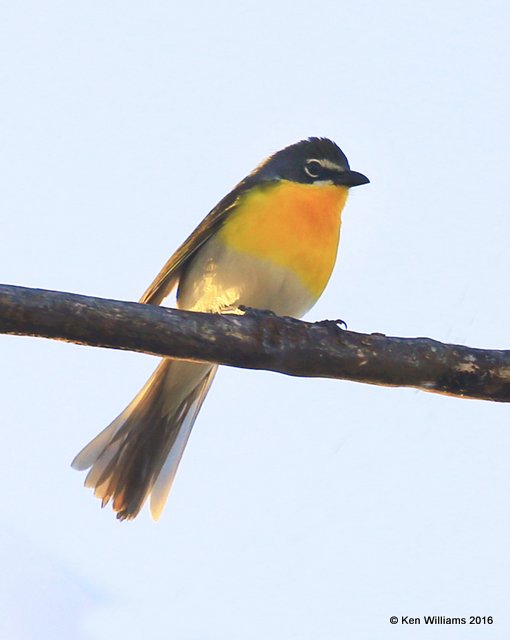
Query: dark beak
point(350, 179)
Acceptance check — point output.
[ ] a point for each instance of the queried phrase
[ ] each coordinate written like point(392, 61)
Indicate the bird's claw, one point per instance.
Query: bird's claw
point(256, 313)
point(333, 324)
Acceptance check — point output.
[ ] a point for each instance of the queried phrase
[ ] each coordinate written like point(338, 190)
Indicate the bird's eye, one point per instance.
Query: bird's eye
point(313, 168)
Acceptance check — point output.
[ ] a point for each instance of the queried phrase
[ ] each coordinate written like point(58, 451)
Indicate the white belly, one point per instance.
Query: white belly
point(220, 279)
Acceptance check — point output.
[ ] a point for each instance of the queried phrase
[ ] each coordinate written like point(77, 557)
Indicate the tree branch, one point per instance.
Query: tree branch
point(259, 341)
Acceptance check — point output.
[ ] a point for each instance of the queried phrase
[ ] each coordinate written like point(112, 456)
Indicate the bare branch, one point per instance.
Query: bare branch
point(260, 341)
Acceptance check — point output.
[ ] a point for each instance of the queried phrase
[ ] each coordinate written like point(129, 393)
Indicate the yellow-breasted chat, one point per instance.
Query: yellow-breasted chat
point(271, 243)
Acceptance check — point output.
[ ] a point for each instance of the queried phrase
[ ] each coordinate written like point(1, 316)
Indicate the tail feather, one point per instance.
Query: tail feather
point(139, 452)
point(95, 448)
point(89, 454)
point(164, 481)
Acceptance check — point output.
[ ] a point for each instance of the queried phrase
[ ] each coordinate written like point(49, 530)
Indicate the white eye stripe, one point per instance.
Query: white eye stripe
point(328, 164)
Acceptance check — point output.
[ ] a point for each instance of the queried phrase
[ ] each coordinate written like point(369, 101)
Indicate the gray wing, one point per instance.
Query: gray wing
point(169, 275)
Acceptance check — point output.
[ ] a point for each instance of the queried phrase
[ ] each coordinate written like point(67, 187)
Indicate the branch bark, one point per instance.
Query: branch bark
point(259, 341)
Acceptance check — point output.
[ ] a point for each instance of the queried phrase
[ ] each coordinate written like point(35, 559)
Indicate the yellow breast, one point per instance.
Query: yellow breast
point(296, 226)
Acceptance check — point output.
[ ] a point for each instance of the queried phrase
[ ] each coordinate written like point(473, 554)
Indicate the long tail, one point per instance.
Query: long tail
point(139, 452)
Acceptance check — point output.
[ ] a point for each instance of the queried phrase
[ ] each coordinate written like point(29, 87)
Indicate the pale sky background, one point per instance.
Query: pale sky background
point(302, 508)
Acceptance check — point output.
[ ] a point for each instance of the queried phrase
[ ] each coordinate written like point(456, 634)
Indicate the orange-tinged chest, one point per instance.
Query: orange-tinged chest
point(293, 225)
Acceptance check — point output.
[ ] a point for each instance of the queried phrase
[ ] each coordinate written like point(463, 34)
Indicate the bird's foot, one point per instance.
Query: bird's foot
point(333, 324)
point(257, 313)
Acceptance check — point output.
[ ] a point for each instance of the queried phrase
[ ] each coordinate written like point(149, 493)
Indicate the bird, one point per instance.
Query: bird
point(270, 244)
